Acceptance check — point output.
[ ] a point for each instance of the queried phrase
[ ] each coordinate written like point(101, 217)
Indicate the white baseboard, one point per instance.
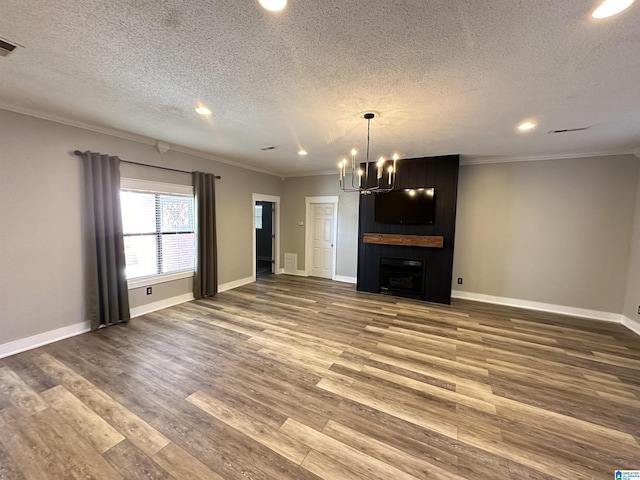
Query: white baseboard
point(631, 324)
point(23, 344)
point(235, 284)
point(160, 304)
point(297, 273)
point(337, 278)
point(342, 278)
point(542, 307)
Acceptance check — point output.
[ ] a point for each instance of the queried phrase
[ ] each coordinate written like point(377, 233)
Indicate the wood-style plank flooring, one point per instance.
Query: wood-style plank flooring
point(300, 378)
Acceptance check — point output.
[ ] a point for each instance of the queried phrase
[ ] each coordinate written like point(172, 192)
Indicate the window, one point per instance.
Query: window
point(258, 215)
point(158, 227)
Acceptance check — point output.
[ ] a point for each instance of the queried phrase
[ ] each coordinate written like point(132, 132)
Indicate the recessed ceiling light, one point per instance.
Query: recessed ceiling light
point(202, 110)
point(273, 5)
point(302, 153)
point(609, 8)
point(526, 126)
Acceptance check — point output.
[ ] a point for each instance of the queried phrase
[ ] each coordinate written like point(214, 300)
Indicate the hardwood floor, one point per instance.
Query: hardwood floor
point(301, 378)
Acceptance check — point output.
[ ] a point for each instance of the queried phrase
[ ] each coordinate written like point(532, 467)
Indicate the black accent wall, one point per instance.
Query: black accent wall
point(439, 172)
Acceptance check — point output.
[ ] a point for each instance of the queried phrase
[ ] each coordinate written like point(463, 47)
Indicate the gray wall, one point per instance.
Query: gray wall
point(41, 269)
point(41, 285)
point(555, 232)
point(138, 297)
point(294, 191)
point(632, 296)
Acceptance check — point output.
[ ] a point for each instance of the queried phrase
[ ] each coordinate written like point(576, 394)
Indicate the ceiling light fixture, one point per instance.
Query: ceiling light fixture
point(273, 5)
point(526, 126)
point(364, 185)
point(302, 153)
point(609, 8)
point(202, 110)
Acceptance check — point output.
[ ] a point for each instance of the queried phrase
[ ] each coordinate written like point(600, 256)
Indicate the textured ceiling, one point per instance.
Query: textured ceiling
point(446, 76)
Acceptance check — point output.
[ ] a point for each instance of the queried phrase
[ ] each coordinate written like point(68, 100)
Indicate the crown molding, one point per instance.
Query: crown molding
point(233, 163)
point(471, 160)
point(112, 132)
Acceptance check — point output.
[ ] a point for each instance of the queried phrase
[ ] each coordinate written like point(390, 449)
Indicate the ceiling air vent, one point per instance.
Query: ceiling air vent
point(6, 48)
point(568, 130)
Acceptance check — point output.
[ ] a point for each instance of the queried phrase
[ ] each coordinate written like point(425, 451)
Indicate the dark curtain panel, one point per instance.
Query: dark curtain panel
point(107, 298)
point(205, 279)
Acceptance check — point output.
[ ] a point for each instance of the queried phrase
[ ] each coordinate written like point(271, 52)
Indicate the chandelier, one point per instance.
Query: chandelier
point(360, 179)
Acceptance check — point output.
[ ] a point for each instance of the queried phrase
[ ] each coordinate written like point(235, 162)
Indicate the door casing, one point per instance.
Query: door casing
point(307, 231)
point(259, 197)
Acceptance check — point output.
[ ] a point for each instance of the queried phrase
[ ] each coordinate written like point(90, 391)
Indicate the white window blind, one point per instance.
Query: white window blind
point(158, 227)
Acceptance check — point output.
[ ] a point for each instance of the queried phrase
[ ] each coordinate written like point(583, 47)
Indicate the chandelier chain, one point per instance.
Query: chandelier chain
point(368, 132)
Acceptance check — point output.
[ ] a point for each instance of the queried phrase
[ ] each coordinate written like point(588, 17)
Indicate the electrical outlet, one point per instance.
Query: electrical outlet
point(149, 290)
point(459, 280)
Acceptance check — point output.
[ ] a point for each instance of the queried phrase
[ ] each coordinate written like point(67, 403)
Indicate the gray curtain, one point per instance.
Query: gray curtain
point(107, 298)
point(205, 280)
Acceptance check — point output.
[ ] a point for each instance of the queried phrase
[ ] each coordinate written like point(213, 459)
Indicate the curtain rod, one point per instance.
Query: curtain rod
point(218, 177)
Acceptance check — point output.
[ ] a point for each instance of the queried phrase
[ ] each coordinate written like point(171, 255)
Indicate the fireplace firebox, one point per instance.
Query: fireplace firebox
point(401, 277)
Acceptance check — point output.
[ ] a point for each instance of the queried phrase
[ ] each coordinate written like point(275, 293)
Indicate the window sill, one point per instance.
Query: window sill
point(156, 279)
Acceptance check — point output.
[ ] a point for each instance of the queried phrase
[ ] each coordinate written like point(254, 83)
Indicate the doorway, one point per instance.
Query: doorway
point(264, 238)
point(321, 236)
point(266, 227)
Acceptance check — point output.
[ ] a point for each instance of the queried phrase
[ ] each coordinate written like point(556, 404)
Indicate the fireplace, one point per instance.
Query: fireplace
point(401, 277)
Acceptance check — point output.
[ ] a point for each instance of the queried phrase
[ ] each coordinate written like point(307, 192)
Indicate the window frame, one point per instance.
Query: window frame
point(147, 186)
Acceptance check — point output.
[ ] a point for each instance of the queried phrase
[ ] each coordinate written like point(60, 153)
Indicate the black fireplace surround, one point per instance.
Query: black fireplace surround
point(440, 173)
point(401, 277)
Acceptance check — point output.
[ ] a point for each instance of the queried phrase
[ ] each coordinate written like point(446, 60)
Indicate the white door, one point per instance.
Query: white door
point(322, 222)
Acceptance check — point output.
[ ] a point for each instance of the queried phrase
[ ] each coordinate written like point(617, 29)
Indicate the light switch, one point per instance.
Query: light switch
point(301, 224)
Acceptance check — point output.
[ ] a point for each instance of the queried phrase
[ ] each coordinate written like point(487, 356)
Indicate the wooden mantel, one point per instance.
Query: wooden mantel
point(433, 241)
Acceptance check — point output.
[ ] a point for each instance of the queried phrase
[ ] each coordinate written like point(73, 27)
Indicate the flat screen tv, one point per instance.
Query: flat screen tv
point(411, 206)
